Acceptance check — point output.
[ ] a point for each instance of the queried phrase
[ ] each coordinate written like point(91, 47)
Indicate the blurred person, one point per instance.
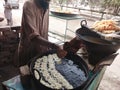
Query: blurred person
point(8, 12)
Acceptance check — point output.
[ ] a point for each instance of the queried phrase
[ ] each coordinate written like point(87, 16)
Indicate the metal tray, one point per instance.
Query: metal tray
point(76, 60)
point(63, 14)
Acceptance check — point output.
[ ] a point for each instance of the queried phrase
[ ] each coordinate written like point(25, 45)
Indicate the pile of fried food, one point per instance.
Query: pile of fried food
point(106, 26)
point(50, 76)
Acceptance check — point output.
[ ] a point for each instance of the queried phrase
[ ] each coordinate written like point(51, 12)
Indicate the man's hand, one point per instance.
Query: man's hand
point(24, 70)
point(61, 53)
point(73, 45)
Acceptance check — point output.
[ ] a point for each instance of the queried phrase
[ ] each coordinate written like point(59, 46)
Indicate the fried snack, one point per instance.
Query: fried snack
point(48, 74)
point(106, 26)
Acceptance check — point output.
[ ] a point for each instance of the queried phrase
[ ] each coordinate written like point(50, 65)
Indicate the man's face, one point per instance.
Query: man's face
point(47, 0)
point(5, 0)
point(43, 3)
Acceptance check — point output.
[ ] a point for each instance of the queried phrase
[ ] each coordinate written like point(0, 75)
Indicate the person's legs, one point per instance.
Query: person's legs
point(11, 21)
point(7, 21)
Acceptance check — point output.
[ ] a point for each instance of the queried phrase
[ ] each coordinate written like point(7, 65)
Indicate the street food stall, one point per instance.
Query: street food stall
point(49, 72)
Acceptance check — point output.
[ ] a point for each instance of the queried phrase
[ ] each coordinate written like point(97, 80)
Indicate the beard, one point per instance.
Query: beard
point(42, 4)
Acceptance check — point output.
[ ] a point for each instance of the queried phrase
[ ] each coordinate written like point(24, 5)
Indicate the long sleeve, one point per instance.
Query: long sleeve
point(30, 19)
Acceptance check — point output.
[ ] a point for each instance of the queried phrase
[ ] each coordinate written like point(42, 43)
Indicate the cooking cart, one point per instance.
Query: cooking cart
point(95, 77)
point(15, 82)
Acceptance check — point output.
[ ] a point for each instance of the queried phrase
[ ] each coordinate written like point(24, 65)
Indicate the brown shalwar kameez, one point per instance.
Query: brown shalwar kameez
point(34, 23)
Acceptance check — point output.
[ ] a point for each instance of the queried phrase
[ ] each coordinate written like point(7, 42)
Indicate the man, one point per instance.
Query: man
point(34, 32)
point(34, 35)
point(8, 12)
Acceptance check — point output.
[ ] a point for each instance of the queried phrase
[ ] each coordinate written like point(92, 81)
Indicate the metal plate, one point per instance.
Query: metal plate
point(63, 14)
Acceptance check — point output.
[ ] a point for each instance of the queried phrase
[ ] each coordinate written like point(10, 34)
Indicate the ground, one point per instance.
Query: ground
point(111, 78)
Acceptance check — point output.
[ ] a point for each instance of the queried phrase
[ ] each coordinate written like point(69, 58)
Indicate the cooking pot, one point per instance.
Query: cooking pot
point(75, 58)
point(97, 47)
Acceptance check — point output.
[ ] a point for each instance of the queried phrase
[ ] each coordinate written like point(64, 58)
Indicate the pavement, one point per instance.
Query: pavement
point(111, 78)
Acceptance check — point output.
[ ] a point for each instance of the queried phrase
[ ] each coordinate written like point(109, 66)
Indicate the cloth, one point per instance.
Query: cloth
point(8, 11)
point(34, 23)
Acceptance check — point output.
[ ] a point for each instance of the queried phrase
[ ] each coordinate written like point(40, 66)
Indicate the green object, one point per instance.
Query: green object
point(95, 83)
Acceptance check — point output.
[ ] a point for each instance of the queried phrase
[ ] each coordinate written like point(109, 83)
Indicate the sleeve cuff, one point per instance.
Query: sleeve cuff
point(33, 35)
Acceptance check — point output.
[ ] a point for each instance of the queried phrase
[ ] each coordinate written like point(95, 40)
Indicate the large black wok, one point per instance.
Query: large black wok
point(75, 58)
point(97, 47)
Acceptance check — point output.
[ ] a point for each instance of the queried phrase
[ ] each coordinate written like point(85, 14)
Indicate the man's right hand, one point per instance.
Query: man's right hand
point(61, 53)
point(24, 70)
